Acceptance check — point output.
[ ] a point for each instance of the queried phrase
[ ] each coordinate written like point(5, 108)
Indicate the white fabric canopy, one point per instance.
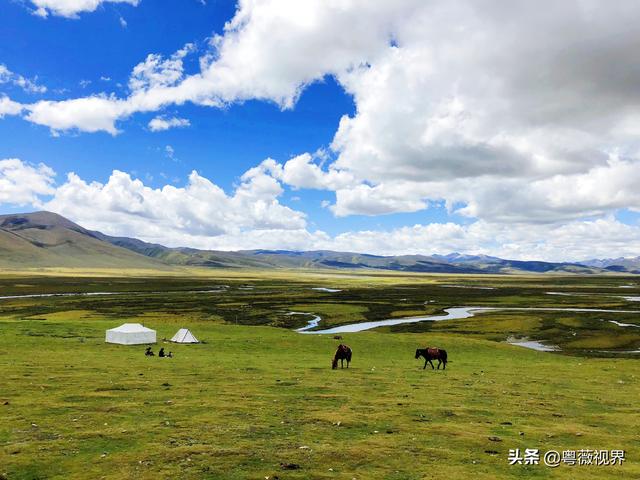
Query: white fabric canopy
point(131, 334)
point(184, 336)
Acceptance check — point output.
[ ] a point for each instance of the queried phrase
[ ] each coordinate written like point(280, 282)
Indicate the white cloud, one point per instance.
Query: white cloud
point(508, 113)
point(270, 50)
point(159, 124)
point(23, 184)
point(452, 113)
point(573, 241)
point(26, 84)
point(96, 113)
point(548, 199)
point(149, 82)
point(594, 192)
point(202, 215)
point(71, 8)
point(377, 200)
point(9, 107)
point(156, 72)
point(191, 215)
point(302, 172)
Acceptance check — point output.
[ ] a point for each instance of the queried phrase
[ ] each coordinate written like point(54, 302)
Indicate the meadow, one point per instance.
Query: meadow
point(259, 400)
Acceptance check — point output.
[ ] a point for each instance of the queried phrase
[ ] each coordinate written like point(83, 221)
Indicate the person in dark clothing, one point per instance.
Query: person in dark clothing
point(148, 352)
point(170, 355)
point(161, 352)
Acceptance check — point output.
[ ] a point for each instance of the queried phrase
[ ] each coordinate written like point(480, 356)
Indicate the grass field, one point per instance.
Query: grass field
point(246, 401)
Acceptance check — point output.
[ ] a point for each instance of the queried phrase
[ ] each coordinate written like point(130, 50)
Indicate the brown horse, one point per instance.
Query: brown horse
point(342, 353)
point(432, 353)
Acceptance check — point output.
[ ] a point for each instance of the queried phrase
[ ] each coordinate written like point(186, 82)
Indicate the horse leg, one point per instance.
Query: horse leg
point(431, 363)
point(439, 362)
point(425, 364)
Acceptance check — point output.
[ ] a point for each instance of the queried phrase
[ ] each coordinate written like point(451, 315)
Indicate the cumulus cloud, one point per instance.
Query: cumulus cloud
point(23, 184)
point(71, 8)
point(149, 83)
point(509, 113)
point(202, 215)
point(96, 113)
point(176, 215)
point(302, 172)
point(270, 51)
point(572, 241)
point(9, 107)
point(376, 200)
point(159, 124)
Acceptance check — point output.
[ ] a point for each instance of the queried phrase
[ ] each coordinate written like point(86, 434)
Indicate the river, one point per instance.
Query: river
point(453, 313)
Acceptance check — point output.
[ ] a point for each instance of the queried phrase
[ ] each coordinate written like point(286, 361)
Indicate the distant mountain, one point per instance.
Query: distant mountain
point(284, 258)
point(452, 263)
point(459, 258)
point(44, 239)
point(621, 264)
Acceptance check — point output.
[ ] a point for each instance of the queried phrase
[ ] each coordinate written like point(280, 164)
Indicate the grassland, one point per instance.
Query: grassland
point(249, 398)
point(259, 298)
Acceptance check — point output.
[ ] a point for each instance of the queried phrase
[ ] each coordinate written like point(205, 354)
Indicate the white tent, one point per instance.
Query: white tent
point(131, 334)
point(184, 336)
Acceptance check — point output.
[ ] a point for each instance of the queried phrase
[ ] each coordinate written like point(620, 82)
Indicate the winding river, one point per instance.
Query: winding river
point(43, 295)
point(221, 289)
point(453, 313)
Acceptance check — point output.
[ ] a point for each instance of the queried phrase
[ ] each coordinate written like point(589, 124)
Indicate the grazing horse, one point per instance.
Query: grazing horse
point(432, 353)
point(342, 353)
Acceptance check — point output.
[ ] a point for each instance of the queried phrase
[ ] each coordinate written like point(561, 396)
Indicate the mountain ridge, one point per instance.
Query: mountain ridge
point(46, 239)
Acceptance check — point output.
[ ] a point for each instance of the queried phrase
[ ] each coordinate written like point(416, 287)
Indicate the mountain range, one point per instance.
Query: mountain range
point(45, 239)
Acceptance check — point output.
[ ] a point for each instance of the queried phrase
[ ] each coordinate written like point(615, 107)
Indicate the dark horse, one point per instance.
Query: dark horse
point(432, 354)
point(343, 353)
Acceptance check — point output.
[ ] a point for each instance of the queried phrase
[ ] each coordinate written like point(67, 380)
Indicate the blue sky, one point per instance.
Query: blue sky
point(221, 143)
point(381, 139)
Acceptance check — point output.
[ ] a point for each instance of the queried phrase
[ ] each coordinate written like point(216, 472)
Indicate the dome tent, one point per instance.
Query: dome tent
point(184, 335)
point(131, 334)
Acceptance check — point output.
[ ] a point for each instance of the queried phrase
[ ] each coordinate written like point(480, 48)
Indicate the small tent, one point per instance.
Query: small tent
point(131, 334)
point(184, 336)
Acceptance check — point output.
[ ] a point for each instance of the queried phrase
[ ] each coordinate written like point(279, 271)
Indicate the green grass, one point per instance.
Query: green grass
point(363, 298)
point(247, 400)
point(236, 407)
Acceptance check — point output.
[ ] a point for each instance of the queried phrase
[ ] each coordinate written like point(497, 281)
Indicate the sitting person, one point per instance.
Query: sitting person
point(161, 352)
point(148, 352)
point(170, 355)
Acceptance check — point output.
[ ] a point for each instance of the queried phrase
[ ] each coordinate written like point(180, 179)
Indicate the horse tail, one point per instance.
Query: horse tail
point(444, 356)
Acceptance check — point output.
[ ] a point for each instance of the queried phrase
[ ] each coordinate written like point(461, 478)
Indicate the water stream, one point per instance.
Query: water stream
point(221, 289)
point(453, 313)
